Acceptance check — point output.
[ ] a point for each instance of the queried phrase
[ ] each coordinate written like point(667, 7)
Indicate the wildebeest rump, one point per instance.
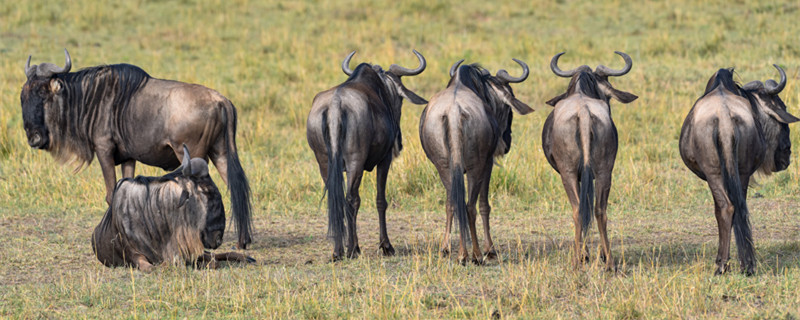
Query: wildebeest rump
point(122, 115)
point(730, 133)
point(353, 127)
point(171, 218)
point(579, 139)
point(462, 129)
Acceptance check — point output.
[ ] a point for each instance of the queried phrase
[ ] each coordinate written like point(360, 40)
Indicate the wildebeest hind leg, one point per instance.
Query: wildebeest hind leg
point(354, 175)
point(444, 247)
point(603, 183)
point(220, 160)
point(488, 244)
point(475, 184)
point(385, 246)
point(723, 210)
point(570, 182)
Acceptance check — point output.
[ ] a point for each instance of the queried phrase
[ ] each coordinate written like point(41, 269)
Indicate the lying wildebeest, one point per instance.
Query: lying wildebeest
point(463, 128)
point(579, 140)
point(730, 133)
point(353, 127)
point(122, 115)
point(171, 218)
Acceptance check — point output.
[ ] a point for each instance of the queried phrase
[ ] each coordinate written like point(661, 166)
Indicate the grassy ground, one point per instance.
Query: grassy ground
point(271, 58)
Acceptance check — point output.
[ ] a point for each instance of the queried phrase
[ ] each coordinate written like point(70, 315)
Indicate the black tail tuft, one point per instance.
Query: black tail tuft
point(741, 220)
point(334, 184)
point(586, 198)
point(238, 185)
point(458, 201)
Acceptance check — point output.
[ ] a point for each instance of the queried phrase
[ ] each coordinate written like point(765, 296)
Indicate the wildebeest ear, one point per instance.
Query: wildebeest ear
point(186, 163)
point(622, 96)
point(184, 197)
point(411, 96)
point(781, 115)
point(554, 101)
point(520, 106)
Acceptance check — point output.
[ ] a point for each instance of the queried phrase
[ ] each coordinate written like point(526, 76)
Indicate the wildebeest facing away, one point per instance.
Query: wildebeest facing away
point(463, 128)
point(171, 218)
point(580, 142)
point(353, 127)
point(730, 133)
point(122, 115)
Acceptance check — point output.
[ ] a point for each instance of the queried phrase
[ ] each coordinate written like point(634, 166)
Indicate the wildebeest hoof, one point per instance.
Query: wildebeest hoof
point(445, 252)
point(250, 259)
point(354, 253)
point(749, 271)
point(387, 250)
point(490, 255)
point(337, 257)
point(241, 246)
point(477, 261)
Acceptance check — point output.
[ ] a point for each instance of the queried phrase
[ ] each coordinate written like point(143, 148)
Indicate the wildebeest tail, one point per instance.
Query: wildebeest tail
point(334, 128)
point(457, 190)
point(727, 150)
point(586, 195)
point(238, 185)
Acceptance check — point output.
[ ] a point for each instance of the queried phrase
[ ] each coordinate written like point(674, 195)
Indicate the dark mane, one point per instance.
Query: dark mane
point(475, 77)
point(88, 93)
point(724, 77)
point(587, 82)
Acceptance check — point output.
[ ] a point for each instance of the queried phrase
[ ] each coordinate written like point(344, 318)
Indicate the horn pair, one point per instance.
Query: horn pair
point(601, 70)
point(770, 86)
point(502, 74)
point(46, 70)
point(396, 69)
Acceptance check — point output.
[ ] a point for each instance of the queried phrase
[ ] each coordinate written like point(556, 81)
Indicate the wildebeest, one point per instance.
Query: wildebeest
point(730, 133)
point(122, 115)
point(171, 218)
point(579, 140)
point(353, 127)
point(462, 129)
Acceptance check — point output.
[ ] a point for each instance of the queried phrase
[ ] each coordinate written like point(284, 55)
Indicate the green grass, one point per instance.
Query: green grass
point(271, 58)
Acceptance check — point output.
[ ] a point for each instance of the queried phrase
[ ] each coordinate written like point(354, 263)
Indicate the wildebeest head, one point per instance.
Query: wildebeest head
point(774, 121)
point(40, 92)
point(201, 192)
point(391, 78)
point(593, 84)
point(496, 92)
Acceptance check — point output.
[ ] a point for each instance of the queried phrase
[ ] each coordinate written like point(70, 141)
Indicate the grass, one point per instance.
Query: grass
point(271, 58)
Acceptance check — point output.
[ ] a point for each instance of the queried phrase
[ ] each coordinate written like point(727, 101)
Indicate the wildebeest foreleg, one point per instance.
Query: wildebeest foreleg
point(570, 181)
point(385, 246)
point(603, 185)
point(488, 244)
point(128, 168)
point(141, 263)
point(723, 209)
point(351, 214)
point(209, 260)
point(106, 161)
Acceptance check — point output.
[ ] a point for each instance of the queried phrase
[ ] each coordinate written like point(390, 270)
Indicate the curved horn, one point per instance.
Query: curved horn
point(602, 70)
point(28, 67)
point(503, 74)
point(346, 63)
point(187, 162)
point(48, 69)
point(400, 71)
point(774, 89)
point(454, 67)
point(559, 72)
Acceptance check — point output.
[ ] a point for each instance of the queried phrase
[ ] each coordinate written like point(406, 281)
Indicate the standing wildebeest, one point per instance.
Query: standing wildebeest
point(170, 218)
point(579, 140)
point(730, 133)
point(462, 130)
point(122, 115)
point(353, 127)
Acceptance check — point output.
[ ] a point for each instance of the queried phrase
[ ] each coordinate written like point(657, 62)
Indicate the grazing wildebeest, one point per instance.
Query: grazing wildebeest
point(122, 115)
point(463, 128)
point(579, 140)
point(353, 127)
point(170, 218)
point(730, 133)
